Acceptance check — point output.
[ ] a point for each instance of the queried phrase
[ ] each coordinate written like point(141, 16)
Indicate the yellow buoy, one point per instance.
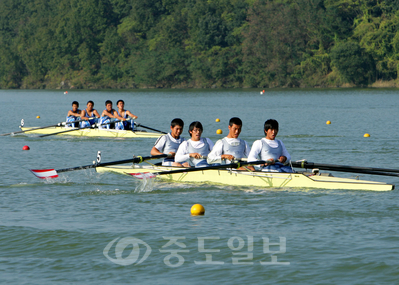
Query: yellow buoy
point(197, 209)
point(217, 120)
point(219, 131)
point(366, 135)
point(37, 117)
point(328, 122)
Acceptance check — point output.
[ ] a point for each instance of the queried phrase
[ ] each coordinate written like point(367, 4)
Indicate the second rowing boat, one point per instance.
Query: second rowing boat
point(90, 132)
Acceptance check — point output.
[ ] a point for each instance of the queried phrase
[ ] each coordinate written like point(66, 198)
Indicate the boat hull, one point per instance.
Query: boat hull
point(257, 179)
point(112, 133)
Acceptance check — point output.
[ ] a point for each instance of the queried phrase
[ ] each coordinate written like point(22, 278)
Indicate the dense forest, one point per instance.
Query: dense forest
point(198, 43)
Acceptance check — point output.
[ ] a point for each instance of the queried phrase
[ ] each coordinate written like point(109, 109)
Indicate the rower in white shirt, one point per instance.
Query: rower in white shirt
point(169, 143)
point(231, 147)
point(270, 149)
point(195, 150)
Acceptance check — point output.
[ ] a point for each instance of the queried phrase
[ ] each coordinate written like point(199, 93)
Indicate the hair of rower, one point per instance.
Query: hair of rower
point(193, 125)
point(177, 122)
point(108, 102)
point(235, 121)
point(271, 124)
point(75, 103)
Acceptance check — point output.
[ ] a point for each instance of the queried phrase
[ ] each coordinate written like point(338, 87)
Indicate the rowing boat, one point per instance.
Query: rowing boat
point(257, 179)
point(111, 133)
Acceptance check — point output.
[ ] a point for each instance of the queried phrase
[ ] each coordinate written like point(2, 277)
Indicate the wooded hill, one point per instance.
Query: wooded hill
point(197, 43)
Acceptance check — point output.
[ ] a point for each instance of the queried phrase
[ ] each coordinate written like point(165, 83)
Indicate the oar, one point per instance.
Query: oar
point(39, 128)
point(140, 125)
point(303, 164)
point(345, 168)
point(77, 129)
point(52, 173)
point(237, 164)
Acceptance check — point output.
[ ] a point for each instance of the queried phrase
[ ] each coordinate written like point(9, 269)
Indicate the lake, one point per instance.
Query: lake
point(91, 228)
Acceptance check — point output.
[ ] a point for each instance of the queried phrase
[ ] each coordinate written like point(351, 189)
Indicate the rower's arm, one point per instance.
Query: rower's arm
point(215, 156)
point(255, 151)
point(96, 113)
point(182, 154)
point(285, 153)
point(82, 115)
point(117, 116)
point(159, 145)
point(75, 114)
point(106, 113)
point(155, 151)
point(131, 115)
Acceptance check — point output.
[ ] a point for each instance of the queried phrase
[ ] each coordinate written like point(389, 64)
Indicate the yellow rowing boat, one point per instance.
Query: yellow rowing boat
point(257, 179)
point(111, 133)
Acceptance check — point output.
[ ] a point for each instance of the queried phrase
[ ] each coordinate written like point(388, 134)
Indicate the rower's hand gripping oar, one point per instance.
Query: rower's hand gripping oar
point(39, 128)
point(155, 130)
point(52, 173)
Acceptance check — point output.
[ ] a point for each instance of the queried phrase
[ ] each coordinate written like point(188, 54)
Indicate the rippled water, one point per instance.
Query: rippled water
point(58, 231)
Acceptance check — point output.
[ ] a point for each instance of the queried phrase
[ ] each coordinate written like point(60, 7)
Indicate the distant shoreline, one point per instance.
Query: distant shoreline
point(377, 84)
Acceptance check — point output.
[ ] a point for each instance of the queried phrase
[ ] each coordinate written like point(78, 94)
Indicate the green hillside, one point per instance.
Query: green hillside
point(197, 43)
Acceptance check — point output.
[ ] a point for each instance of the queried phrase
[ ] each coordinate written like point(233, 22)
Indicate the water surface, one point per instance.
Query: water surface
point(56, 231)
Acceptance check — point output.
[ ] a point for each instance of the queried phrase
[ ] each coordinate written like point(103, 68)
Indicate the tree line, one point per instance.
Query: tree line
point(197, 43)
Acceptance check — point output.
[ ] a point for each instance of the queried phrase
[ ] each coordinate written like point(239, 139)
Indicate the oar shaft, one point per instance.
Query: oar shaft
point(137, 159)
point(359, 171)
point(294, 164)
point(343, 168)
point(140, 125)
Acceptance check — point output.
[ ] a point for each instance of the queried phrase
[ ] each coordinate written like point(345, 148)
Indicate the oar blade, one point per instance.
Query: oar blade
point(143, 175)
point(44, 173)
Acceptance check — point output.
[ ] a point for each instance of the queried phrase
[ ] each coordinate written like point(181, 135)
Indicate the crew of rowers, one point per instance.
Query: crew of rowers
point(197, 151)
point(201, 152)
point(110, 118)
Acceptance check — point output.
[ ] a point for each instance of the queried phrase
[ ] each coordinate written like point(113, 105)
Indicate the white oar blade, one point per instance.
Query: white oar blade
point(144, 175)
point(44, 173)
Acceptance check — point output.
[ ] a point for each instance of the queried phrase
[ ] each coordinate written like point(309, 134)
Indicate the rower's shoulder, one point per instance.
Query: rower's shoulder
point(257, 143)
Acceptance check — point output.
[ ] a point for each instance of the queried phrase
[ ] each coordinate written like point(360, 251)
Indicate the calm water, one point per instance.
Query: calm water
point(58, 231)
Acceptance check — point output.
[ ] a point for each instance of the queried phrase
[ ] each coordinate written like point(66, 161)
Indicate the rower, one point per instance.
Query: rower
point(87, 113)
point(169, 143)
point(73, 114)
point(123, 115)
point(231, 147)
point(106, 116)
point(195, 150)
point(271, 150)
